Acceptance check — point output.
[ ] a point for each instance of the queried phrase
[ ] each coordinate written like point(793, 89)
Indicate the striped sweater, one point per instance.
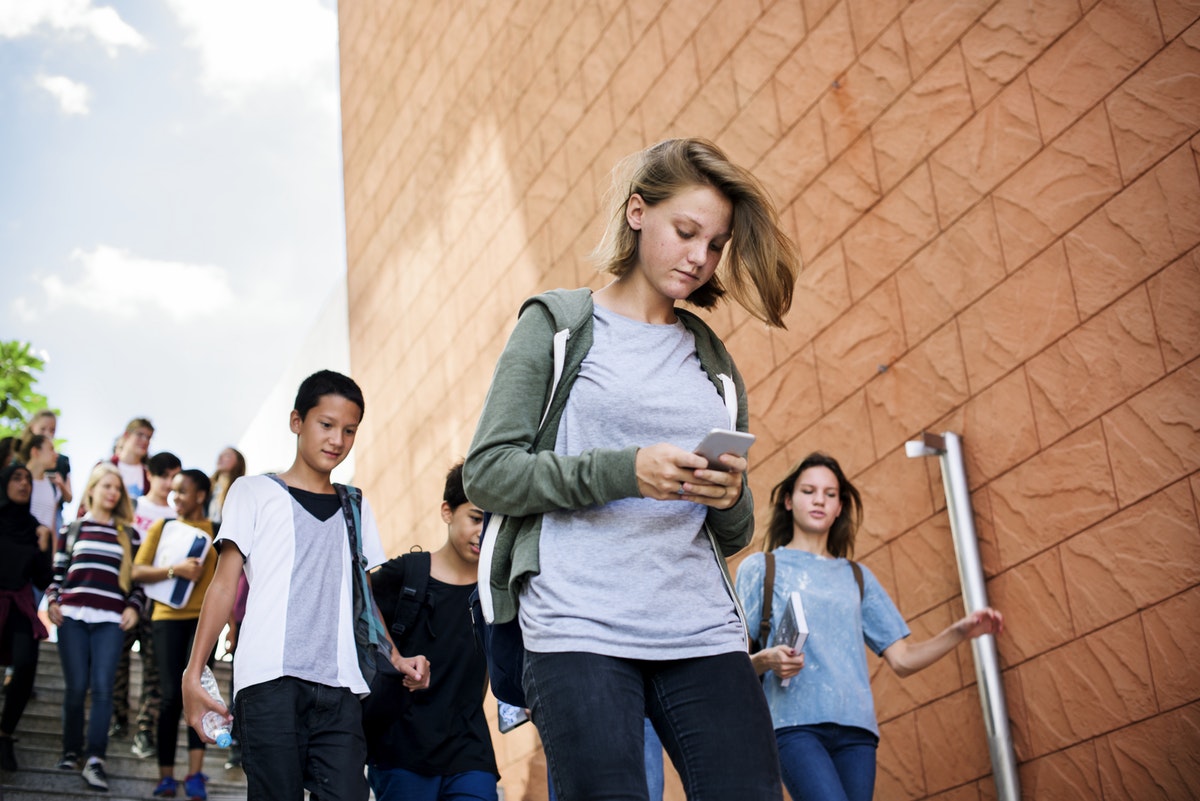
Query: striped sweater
point(90, 574)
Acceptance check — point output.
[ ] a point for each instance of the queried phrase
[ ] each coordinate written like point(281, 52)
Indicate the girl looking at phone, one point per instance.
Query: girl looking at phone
point(825, 717)
point(616, 533)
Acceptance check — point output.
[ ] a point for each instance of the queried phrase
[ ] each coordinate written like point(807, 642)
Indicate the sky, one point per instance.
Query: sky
point(171, 210)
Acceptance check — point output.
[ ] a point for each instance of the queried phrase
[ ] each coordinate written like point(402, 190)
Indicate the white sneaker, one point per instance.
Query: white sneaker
point(94, 775)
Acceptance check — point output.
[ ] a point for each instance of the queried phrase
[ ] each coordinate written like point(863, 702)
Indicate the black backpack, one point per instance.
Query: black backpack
point(401, 589)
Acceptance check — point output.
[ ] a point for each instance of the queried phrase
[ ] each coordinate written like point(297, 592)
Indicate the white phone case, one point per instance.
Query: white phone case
point(722, 440)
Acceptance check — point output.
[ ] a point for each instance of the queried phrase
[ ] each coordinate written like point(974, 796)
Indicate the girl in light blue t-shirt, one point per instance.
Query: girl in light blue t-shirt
point(825, 717)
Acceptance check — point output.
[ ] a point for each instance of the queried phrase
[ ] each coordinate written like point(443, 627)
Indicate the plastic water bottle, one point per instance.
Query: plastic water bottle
point(214, 725)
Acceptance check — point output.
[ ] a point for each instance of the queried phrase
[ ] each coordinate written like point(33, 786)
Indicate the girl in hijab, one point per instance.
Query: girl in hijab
point(24, 560)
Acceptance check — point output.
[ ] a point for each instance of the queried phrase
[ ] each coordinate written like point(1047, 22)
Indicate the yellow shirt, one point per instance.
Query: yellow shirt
point(145, 556)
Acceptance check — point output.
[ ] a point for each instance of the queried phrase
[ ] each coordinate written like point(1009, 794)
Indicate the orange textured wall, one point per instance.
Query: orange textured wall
point(998, 207)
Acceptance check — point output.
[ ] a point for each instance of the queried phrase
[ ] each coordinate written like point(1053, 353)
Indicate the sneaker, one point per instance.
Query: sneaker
point(166, 788)
point(143, 745)
point(119, 729)
point(8, 759)
point(194, 787)
point(94, 776)
point(70, 761)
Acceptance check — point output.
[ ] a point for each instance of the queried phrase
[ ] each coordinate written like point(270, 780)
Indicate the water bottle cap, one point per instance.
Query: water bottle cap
point(224, 740)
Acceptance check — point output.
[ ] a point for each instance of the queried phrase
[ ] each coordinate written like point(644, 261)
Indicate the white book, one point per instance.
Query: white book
point(793, 628)
point(177, 542)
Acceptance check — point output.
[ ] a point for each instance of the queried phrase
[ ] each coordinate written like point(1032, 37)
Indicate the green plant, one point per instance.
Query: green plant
point(19, 369)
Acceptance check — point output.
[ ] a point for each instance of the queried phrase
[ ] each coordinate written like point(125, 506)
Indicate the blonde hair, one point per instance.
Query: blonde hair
point(759, 267)
point(123, 512)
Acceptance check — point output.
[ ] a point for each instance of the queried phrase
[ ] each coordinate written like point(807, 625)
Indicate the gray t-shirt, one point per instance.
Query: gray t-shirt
point(635, 578)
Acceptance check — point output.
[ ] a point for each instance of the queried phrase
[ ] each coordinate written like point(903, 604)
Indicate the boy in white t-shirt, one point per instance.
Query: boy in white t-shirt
point(297, 711)
point(154, 505)
point(129, 457)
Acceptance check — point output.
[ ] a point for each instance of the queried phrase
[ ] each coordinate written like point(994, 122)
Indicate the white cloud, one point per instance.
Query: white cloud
point(120, 284)
point(247, 46)
point(78, 18)
point(72, 97)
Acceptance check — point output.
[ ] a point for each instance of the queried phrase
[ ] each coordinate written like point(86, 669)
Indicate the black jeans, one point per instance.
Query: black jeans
point(297, 735)
point(18, 634)
point(709, 712)
point(172, 646)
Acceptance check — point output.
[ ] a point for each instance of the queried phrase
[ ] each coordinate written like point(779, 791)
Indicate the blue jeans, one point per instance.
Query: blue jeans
point(652, 754)
point(298, 735)
point(398, 784)
point(828, 762)
point(710, 713)
point(89, 654)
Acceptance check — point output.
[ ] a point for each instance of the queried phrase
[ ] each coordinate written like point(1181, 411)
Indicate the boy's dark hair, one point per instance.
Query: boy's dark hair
point(454, 494)
point(199, 480)
point(160, 463)
point(327, 382)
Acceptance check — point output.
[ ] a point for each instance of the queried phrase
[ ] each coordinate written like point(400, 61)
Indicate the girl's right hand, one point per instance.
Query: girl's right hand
point(54, 612)
point(662, 470)
point(779, 659)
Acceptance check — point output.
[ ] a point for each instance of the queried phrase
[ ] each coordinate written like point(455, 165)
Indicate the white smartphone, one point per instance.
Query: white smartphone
point(722, 440)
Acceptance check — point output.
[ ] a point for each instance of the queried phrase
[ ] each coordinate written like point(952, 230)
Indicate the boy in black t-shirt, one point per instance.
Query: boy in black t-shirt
point(432, 745)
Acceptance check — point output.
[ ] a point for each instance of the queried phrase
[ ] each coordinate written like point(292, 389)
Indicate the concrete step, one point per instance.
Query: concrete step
point(47, 783)
point(38, 749)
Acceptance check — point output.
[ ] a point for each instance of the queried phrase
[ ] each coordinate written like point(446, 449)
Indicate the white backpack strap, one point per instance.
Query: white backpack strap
point(488, 546)
point(560, 359)
point(731, 401)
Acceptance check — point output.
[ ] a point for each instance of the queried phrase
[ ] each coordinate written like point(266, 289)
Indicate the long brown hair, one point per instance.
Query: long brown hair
point(239, 469)
point(845, 526)
point(760, 264)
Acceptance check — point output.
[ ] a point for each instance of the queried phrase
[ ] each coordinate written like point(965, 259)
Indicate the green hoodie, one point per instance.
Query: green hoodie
point(512, 469)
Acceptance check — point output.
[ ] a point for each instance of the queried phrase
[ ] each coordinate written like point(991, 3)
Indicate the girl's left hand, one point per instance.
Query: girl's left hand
point(129, 618)
point(43, 538)
point(976, 624)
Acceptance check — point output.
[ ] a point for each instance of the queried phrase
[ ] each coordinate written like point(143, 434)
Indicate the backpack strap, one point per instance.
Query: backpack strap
point(858, 577)
point(729, 391)
point(72, 535)
point(125, 577)
point(764, 625)
point(369, 634)
point(414, 589)
point(492, 522)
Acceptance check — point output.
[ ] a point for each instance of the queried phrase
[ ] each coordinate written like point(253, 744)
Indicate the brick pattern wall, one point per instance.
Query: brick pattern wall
point(998, 207)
